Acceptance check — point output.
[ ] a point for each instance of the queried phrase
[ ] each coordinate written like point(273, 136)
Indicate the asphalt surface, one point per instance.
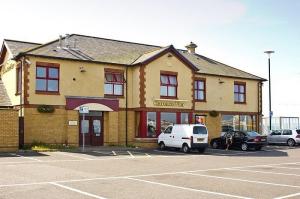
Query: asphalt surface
point(109, 172)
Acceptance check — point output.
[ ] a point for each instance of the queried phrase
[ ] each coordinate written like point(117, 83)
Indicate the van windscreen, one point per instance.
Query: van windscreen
point(199, 130)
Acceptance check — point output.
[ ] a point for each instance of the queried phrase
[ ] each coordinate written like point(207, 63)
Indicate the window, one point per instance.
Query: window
point(200, 90)
point(167, 119)
point(114, 83)
point(199, 130)
point(18, 80)
point(184, 118)
point(168, 130)
point(151, 124)
point(287, 132)
point(238, 123)
point(47, 79)
point(276, 133)
point(168, 86)
point(239, 92)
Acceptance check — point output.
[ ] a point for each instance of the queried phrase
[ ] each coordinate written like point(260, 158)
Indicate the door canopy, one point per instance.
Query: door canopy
point(94, 103)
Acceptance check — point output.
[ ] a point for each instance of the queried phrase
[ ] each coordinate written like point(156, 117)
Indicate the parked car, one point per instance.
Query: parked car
point(241, 140)
point(285, 136)
point(185, 137)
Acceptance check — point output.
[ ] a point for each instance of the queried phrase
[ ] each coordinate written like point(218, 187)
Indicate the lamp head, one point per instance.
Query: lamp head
point(269, 52)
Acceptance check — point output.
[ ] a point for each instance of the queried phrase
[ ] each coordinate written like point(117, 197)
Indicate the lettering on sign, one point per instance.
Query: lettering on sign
point(177, 103)
point(9, 66)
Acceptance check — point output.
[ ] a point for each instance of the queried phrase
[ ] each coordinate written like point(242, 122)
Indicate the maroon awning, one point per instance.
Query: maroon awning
point(73, 102)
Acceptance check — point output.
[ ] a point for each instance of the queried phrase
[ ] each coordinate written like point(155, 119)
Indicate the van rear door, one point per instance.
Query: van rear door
point(200, 134)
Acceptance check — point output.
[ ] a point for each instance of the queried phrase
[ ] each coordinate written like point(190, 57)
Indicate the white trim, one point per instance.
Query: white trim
point(95, 107)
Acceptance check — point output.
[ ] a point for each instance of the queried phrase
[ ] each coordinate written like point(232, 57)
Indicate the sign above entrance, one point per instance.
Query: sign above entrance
point(162, 102)
point(84, 109)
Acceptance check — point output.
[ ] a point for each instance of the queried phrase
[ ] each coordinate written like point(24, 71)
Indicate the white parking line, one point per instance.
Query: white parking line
point(74, 156)
point(187, 188)
point(241, 180)
point(130, 154)
point(114, 153)
point(78, 191)
point(120, 177)
point(266, 172)
point(147, 155)
point(30, 158)
point(289, 196)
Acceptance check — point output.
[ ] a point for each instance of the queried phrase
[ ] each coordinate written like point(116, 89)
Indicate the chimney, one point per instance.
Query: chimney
point(60, 41)
point(191, 47)
point(67, 41)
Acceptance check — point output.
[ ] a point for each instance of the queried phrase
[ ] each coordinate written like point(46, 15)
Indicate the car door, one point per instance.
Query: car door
point(274, 136)
point(237, 139)
point(286, 134)
point(168, 138)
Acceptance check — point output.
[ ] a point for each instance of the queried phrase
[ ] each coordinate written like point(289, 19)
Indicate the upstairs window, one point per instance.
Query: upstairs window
point(239, 92)
point(18, 80)
point(47, 78)
point(168, 86)
point(200, 90)
point(114, 83)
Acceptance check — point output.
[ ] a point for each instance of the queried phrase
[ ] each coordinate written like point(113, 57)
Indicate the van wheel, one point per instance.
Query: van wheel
point(291, 142)
point(215, 145)
point(185, 148)
point(201, 150)
point(244, 146)
point(162, 146)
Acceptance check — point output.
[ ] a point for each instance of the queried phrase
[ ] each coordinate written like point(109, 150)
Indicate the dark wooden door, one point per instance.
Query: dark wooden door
point(93, 126)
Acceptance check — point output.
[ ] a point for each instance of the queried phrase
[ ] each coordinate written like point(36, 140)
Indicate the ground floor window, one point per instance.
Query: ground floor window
point(239, 123)
point(151, 124)
point(167, 119)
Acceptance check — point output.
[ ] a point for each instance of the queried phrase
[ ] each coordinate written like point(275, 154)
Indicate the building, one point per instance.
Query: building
point(133, 91)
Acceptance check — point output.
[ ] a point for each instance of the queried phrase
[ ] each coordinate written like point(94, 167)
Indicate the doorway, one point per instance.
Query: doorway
point(92, 128)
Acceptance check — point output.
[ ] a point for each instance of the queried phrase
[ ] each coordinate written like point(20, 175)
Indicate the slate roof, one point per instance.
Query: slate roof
point(97, 49)
point(4, 99)
point(17, 47)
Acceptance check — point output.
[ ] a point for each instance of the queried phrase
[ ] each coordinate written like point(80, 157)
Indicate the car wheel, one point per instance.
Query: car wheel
point(185, 148)
point(201, 150)
point(162, 146)
point(244, 146)
point(215, 145)
point(291, 142)
point(258, 148)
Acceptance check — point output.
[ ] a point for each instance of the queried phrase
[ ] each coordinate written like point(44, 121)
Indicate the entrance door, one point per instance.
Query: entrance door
point(92, 127)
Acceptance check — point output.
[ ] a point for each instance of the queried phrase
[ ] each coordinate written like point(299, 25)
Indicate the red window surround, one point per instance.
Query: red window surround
point(48, 73)
point(239, 92)
point(168, 85)
point(200, 89)
point(114, 83)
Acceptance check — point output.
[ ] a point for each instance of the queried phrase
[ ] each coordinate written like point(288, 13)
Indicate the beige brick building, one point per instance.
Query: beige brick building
point(133, 91)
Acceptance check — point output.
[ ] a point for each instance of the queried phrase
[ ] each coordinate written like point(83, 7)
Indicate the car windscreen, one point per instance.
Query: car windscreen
point(252, 134)
point(199, 130)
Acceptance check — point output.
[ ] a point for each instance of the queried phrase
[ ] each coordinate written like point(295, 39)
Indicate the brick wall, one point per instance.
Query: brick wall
point(9, 130)
point(50, 128)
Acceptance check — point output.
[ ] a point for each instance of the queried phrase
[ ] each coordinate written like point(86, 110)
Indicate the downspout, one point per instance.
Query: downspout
point(21, 119)
point(126, 109)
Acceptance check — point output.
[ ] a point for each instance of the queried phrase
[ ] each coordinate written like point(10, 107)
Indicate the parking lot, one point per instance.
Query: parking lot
point(143, 173)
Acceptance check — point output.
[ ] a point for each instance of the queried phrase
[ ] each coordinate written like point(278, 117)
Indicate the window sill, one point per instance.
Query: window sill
point(113, 96)
point(200, 100)
point(240, 103)
point(167, 97)
point(46, 93)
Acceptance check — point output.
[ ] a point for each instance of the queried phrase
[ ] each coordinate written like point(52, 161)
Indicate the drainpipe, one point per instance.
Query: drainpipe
point(21, 118)
point(126, 109)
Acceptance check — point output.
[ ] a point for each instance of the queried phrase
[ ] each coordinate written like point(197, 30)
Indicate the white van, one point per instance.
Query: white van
point(184, 136)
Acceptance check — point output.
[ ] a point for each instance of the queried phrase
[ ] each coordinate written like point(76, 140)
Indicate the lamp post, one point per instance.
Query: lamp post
point(269, 52)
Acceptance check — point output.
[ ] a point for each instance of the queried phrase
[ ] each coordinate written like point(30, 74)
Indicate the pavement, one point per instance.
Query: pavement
point(115, 172)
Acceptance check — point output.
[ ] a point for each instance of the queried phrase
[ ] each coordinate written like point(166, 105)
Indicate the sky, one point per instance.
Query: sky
point(235, 32)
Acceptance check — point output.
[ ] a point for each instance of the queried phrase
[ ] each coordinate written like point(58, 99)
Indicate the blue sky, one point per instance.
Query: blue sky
point(235, 32)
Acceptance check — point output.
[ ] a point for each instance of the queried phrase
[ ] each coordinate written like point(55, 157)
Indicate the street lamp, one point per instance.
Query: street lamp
point(269, 52)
